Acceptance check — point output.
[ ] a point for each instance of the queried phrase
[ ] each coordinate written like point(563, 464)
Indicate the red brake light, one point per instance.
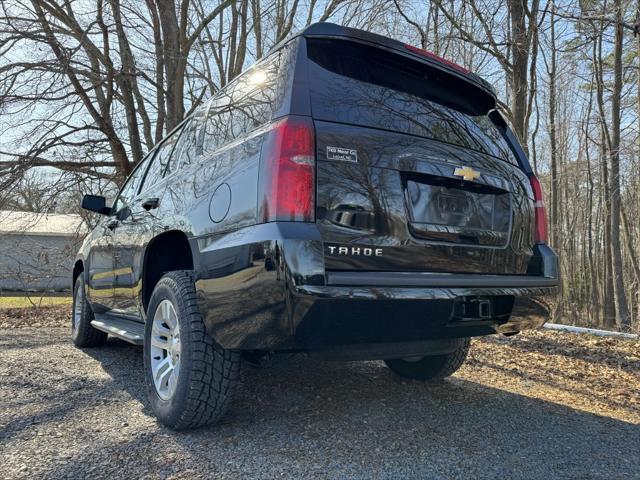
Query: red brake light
point(435, 57)
point(540, 210)
point(288, 171)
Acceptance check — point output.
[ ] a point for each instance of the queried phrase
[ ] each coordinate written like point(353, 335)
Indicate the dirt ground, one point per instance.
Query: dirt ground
point(538, 405)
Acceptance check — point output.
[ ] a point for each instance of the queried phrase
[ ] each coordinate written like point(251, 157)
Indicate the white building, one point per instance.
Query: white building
point(37, 250)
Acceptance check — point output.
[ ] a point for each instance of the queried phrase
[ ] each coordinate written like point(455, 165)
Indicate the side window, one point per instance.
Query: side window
point(217, 127)
point(160, 162)
point(255, 96)
point(189, 148)
point(132, 185)
point(246, 104)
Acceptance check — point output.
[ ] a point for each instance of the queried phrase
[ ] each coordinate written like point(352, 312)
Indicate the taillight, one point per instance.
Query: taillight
point(540, 210)
point(287, 175)
point(435, 57)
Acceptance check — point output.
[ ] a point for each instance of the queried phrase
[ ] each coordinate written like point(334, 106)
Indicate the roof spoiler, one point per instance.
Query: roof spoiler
point(324, 29)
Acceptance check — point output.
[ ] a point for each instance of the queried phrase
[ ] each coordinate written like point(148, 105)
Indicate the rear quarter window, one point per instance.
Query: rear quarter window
point(189, 147)
point(363, 85)
point(248, 103)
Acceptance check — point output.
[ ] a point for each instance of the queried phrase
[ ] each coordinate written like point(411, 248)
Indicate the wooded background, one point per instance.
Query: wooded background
point(87, 87)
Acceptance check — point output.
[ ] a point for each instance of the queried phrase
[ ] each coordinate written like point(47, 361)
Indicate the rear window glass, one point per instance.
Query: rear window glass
point(363, 85)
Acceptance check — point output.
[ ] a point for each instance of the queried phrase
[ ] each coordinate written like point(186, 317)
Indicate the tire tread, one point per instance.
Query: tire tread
point(87, 336)
point(432, 368)
point(213, 371)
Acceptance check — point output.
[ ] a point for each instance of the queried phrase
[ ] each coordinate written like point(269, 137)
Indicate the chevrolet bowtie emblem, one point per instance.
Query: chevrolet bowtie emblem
point(467, 173)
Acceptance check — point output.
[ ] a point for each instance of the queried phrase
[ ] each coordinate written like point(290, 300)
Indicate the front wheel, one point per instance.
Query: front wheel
point(190, 379)
point(430, 367)
point(82, 332)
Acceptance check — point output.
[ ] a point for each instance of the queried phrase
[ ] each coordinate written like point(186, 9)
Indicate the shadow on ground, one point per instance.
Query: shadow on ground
point(302, 418)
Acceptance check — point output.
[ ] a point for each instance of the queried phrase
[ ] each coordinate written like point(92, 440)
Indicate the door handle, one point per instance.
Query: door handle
point(112, 224)
point(150, 203)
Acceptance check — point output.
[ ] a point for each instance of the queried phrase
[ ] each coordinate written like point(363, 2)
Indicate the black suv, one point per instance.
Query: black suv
point(349, 196)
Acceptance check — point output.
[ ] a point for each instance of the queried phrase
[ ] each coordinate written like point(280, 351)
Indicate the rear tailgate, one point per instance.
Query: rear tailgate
point(410, 179)
point(401, 203)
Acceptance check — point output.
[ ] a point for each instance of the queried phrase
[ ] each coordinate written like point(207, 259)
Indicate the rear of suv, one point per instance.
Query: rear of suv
point(350, 197)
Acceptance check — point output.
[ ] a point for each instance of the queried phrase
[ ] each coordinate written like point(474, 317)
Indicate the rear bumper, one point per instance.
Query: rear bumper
point(398, 314)
point(270, 291)
point(437, 280)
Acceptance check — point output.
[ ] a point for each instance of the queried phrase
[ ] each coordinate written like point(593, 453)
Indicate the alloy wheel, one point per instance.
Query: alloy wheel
point(165, 349)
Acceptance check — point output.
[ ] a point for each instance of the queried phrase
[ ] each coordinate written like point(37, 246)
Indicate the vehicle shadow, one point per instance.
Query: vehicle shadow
point(300, 417)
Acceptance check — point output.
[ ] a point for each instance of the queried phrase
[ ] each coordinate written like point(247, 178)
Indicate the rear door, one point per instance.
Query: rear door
point(130, 225)
point(412, 174)
point(137, 224)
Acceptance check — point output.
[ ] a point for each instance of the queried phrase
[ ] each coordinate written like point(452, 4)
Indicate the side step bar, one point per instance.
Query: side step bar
point(127, 330)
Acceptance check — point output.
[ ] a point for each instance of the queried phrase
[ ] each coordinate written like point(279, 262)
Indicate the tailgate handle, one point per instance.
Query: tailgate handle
point(459, 235)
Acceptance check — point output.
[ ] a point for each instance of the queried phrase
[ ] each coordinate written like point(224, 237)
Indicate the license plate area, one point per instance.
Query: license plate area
point(446, 210)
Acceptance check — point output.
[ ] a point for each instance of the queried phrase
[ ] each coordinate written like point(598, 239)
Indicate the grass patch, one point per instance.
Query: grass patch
point(33, 301)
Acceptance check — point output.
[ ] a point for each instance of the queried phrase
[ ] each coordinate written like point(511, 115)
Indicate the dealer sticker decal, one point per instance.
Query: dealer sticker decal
point(342, 154)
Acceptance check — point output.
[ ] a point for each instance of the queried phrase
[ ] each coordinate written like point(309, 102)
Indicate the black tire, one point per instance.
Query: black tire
point(82, 332)
point(208, 373)
point(431, 367)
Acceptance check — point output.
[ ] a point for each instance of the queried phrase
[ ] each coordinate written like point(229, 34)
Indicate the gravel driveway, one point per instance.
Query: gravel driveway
point(541, 405)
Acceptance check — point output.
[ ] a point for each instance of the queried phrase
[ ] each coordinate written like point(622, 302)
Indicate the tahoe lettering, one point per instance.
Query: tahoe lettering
point(365, 251)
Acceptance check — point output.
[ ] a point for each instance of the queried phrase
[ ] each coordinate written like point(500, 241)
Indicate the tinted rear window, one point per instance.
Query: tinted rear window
point(363, 85)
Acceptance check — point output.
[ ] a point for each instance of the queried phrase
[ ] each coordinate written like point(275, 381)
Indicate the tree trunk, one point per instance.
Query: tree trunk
point(172, 58)
point(622, 308)
point(159, 70)
point(553, 137)
point(520, 60)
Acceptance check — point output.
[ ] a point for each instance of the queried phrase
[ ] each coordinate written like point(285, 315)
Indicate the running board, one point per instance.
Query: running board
point(127, 330)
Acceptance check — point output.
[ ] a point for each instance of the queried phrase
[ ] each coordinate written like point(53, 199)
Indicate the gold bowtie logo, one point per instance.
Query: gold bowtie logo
point(467, 173)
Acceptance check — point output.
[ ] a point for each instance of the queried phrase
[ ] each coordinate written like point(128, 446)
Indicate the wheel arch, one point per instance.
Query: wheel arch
point(156, 261)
